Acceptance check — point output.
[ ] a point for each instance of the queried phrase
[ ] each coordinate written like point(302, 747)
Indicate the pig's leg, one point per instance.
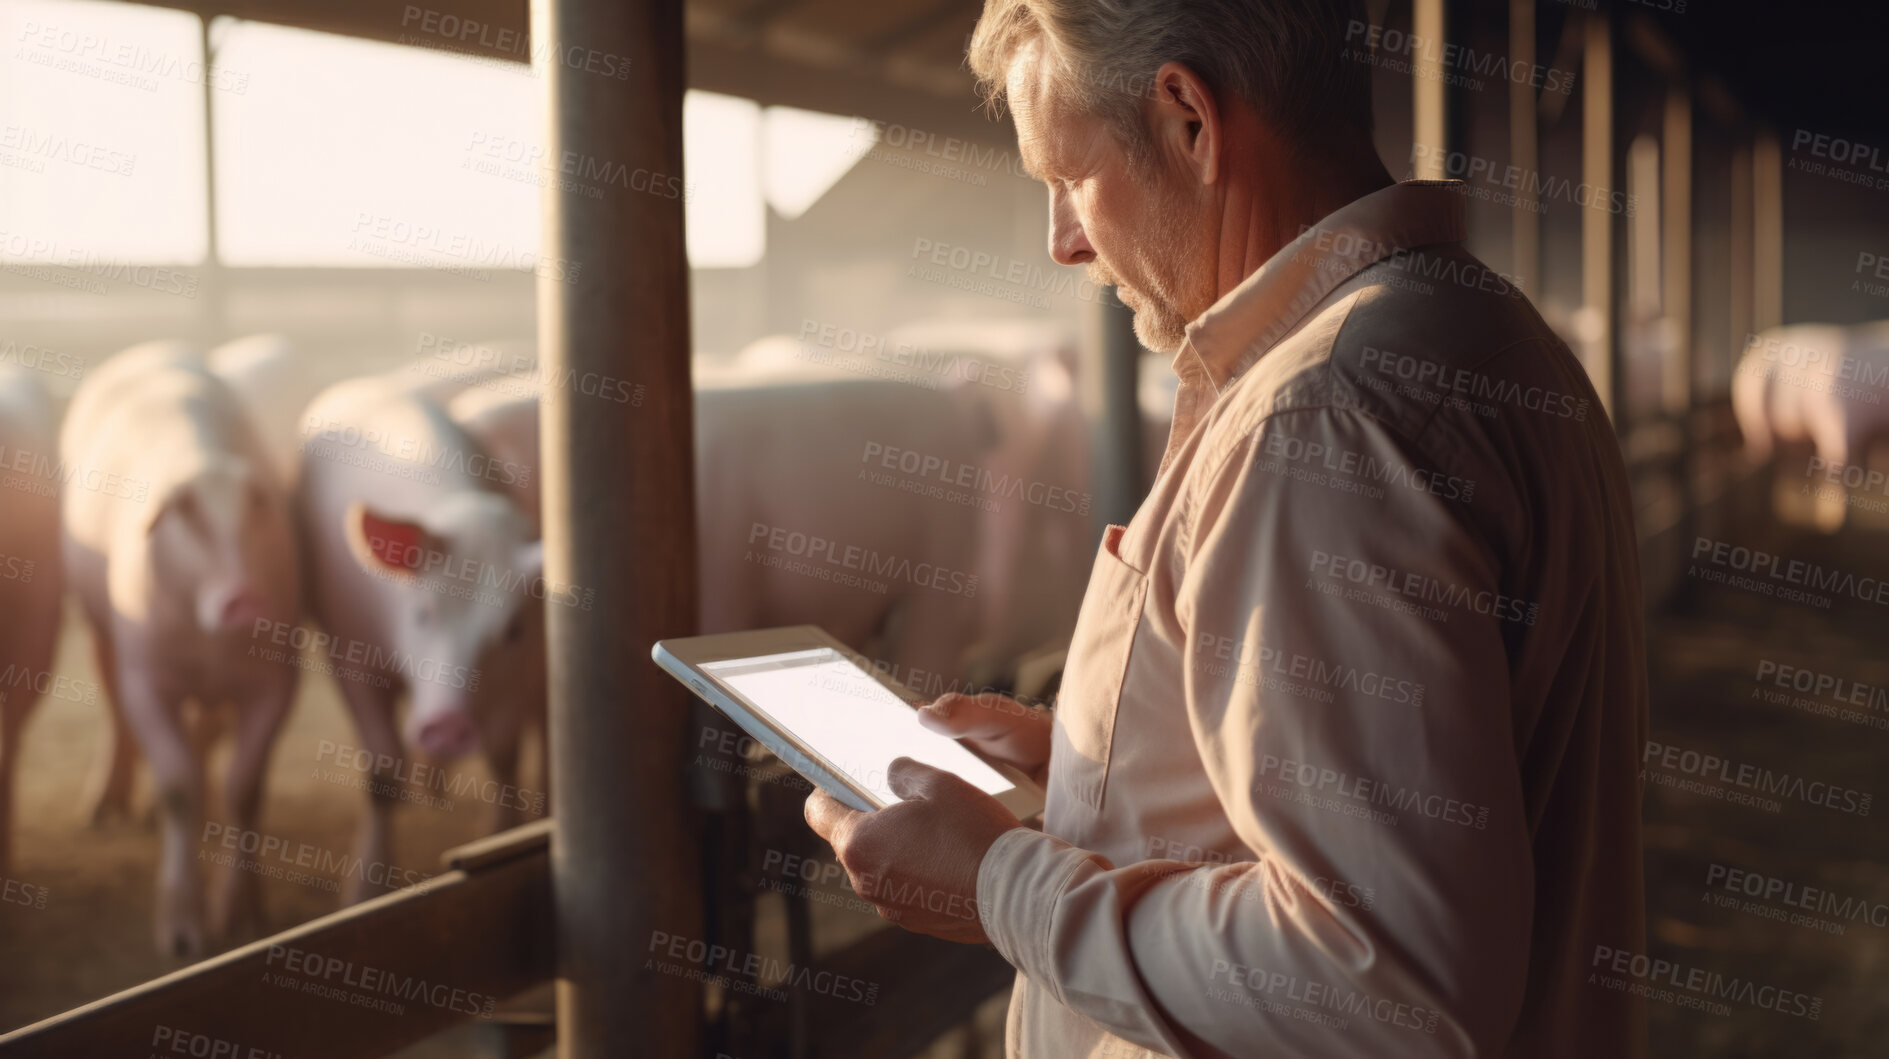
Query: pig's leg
point(158, 724)
point(237, 905)
point(373, 711)
point(108, 790)
point(14, 706)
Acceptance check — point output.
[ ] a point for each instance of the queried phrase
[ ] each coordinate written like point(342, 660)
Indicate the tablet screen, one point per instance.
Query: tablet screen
point(837, 710)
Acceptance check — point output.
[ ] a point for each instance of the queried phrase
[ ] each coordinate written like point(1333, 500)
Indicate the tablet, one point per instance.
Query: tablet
point(806, 697)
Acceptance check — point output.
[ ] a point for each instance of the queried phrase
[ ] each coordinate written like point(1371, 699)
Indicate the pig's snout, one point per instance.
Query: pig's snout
point(446, 734)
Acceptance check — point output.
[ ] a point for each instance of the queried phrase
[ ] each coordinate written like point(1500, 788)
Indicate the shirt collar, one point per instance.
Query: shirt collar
point(1226, 339)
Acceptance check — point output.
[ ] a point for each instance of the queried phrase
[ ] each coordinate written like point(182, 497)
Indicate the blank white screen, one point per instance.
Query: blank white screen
point(845, 716)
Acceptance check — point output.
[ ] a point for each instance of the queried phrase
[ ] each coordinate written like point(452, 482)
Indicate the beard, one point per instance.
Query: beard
point(1170, 279)
point(1160, 328)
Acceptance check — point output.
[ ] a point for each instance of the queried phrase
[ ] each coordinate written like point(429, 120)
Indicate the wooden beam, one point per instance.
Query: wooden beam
point(619, 503)
point(491, 28)
point(364, 981)
point(725, 54)
point(720, 63)
point(917, 26)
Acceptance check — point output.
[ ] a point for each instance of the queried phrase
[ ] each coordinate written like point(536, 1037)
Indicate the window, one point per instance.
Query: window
point(101, 134)
point(336, 152)
point(355, 153)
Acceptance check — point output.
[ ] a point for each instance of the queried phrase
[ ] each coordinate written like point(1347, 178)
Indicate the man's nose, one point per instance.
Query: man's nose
point(1068, 243)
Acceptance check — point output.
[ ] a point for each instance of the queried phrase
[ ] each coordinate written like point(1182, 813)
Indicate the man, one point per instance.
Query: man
point(1344, 760)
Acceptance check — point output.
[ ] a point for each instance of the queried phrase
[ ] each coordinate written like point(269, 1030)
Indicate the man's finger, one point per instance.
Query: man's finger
point(941, 714)
point(830, 818)
point(976, 716)
point(910, 778)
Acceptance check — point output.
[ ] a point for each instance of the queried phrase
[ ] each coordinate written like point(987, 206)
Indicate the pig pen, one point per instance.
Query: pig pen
point(93, 935)
point(76, 922)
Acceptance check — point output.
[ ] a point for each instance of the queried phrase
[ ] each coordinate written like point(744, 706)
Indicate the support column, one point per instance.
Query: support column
point(619, 523)
point(1597, 243)
point(1681, 376)
point(1110, 380)
point(212, 311)
point(1523, 152)
point(1429, 102)
point(1767, 234)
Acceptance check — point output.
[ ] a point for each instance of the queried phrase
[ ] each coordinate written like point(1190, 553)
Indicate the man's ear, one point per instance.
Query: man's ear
point(1185, 120)
point(391, 545)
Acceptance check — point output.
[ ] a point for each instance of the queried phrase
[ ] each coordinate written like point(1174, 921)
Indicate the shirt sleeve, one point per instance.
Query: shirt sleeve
point(1346, 685)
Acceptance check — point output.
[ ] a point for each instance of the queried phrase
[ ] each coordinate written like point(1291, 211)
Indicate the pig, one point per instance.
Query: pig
point(746, 477)
point(787, 467)
point(32, 576)
point(989, 418)
point(274, 386)
point(427, 580)
point(501, 415)
point(1035, 544)
point(179, 544)
point(1815, 383)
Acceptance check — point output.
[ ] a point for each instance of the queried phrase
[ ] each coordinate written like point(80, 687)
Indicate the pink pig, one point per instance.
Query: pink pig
point(426, 577)
point(180, 545)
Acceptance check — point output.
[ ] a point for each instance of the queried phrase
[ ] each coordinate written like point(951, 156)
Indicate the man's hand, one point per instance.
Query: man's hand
point(917, 860)
point(998, 726)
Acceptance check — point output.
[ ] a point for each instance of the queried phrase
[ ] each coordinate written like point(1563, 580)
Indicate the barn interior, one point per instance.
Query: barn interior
point(652, 210)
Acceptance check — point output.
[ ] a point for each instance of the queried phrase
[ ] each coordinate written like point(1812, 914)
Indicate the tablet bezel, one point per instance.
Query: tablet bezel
point(683, 658)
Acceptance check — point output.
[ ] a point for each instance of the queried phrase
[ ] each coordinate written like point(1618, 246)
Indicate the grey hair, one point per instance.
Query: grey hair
point(1301, 64)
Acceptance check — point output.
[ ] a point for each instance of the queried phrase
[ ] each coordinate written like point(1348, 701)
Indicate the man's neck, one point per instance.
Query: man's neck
point(1270, 198)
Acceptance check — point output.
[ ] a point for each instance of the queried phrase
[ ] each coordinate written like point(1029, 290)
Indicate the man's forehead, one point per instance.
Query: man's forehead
point(1024, 91)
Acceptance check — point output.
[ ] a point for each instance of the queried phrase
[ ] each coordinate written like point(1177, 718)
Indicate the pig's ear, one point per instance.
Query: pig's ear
point(181, 501)
point(382, 543)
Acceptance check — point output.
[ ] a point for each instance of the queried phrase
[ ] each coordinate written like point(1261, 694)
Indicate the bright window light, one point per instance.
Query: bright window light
point(336, 152)
point(101, 134)
point(807, 153)
point(355, 153)
point(721, 139)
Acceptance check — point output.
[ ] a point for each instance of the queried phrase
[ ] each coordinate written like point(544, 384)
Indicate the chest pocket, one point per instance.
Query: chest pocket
point(1093, 675)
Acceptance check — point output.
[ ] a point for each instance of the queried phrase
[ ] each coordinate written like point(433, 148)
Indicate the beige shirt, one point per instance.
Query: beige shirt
point(1345, 759)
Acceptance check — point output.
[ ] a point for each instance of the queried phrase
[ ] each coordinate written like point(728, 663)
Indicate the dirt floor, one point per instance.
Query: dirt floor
point(93, 934)
point(77, 922)
point(1707, 695)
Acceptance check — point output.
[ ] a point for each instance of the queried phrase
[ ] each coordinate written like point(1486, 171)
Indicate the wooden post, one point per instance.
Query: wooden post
point(1110, 382)
point(1767, 232)
point(1523, 152)
point(212, 313)
point(1681, 377)
point(619, 526)
point(1597, 221)
point(1429, 101)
